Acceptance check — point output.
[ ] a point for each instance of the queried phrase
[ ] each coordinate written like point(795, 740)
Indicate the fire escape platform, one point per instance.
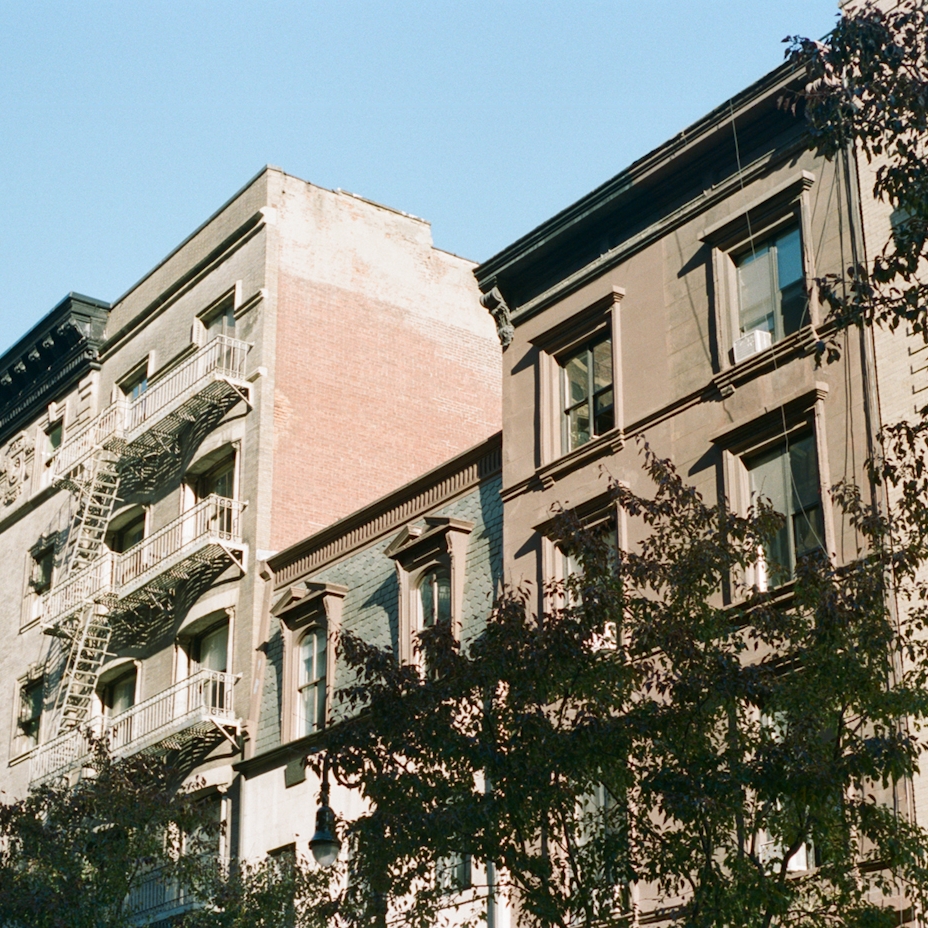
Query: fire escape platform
point(208, 534)
point(196, 708)
point(212, 379)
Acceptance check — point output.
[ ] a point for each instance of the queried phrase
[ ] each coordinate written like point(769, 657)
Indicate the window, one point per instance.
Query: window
point(310, 614)
point(587, 393)
point(43, 564)
point(430, 560)
point(126, 530)
point(218, 481)
point(433, 605)
point(771, 286)
point(788, 476)
point(53, 436)
point(135, 384)
point(119, 695)
point(602, 840)
point(210, 651)
point(203, 659)
point(221, 322)
point(28, 722)
point(435, 598)
point(41, 572)
point(601, 542)
point(454, 873)
point(311, 681)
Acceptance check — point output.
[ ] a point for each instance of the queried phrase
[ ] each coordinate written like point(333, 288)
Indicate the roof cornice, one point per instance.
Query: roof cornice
point(559, 226)
point(52, 356)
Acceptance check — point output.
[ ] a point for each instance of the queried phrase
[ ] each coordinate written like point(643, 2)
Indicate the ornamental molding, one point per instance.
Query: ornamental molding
point(14, 468)
point(495, 304)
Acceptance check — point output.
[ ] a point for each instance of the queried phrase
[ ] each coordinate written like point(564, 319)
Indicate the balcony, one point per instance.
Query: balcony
point(207, 534)
point(212, 379)
point(192, 708)
point(158, 898)
point(93, 584)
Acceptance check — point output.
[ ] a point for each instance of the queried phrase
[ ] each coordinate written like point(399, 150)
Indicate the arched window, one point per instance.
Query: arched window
point(311, 681)
point(435, 598)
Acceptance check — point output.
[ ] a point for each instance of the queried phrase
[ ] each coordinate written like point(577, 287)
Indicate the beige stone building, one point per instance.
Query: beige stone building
point(301, 354)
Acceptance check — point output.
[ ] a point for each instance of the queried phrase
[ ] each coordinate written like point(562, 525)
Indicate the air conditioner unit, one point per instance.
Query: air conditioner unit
point(751, 343)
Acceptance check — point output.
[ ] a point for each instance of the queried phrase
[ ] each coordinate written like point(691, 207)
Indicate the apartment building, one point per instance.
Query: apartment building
point(302, 353)
point(675, 304)
point(427, 553)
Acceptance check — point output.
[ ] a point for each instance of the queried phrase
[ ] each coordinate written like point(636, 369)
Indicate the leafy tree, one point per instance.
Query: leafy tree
point(868, 88)
point(76, 856)
point(91, 854)
point(738, 760)
point(283, 891)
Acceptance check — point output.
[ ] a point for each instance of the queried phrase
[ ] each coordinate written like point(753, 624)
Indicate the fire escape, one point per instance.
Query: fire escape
point(97, 586)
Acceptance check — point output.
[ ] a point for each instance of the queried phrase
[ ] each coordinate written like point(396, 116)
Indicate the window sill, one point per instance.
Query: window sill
point(798, 344)
point(610, 443)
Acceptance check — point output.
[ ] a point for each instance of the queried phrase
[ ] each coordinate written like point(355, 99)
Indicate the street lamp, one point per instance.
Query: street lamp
point(324, 843)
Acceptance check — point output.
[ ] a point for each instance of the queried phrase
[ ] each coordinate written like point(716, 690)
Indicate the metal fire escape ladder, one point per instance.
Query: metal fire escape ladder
point(96, 490)
point(79, 680)
point(96, 494)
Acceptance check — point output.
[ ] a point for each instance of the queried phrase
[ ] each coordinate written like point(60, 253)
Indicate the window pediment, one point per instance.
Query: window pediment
point(434, 539)
point(306, 602)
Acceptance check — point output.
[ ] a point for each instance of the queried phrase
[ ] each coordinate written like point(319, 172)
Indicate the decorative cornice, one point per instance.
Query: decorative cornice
point(49, 359)
point(390, 513)
point(496, 305)
point(764, 91)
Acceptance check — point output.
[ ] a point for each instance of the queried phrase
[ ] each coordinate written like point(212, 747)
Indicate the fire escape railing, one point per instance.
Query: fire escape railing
point(124, 422)
point(201, 703)
point(113, 578)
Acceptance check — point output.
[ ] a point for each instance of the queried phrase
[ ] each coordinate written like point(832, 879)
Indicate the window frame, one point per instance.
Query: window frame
point(438, 542)
point(303, 607)
point(734, 236)
point(110, 680)
point(22, 743)
point(597, 320)
point(782, 447)
point(230, 301)
point(798, 416)
point(139, 373)
point(46, 546)
point(591, 393)
point(304, 683)
point(55, 422)
point(122, 520)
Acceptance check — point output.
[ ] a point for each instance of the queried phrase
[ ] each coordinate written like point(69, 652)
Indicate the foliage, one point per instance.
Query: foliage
point(749, 749)
point(868, 88)
point(95, 855)
point(276, 892)
point(76, 856)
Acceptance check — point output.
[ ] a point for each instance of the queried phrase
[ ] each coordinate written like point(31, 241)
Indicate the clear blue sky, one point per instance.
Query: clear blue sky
point(124, 125)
